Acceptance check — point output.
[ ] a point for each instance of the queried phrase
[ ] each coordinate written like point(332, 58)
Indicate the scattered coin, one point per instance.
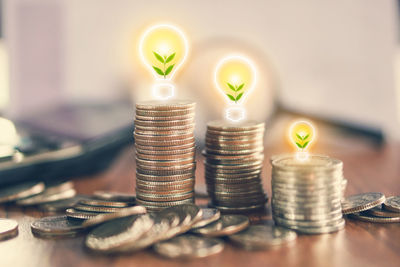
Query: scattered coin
point(209, 215)
point(392, 204)
point(189, 246)
point(225, 225)
point(20, 191)
point(257, 237)
point(46, 197)
point(60, 205)
point(82, 215)
point(104, 203)
point(373, 219)
point(115, 234)
point(114, 196)
point(122, 212)
point(82, 207)
point(379, 212)
point(57, 226)
point(8, 229)
point(362, 202)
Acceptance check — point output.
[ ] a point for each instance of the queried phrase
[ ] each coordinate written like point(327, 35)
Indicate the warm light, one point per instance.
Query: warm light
point(163, 49)
point(235, 77)
point(301, 135)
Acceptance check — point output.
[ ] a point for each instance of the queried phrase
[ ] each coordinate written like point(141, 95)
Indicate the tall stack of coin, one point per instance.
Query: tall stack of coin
point(234, 160)
point(306, 194)
point(165, 153)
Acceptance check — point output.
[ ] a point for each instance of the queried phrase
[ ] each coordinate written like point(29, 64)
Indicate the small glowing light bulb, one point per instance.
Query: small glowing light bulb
point(301, 134)
point(163, 49)
point(235, 77)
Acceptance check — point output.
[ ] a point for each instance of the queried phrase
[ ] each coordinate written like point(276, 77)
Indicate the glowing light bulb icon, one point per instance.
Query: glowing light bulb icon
point(163, 49)
point(301, 134)
point(235, 77)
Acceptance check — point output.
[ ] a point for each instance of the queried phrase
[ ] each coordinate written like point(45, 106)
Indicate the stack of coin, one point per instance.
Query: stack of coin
point(306, 194)
point(165, 153)
point(234, 160)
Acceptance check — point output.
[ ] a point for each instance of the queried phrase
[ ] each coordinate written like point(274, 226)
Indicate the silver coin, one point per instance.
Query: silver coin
point(105, 203)
point(189, 246)
point(379, 212)
point(121, 213)
point(209, 215)
point(161, 198)
point(20, 191)
point(225, 225)
point(238, 209)
point(392, 204)
point(361, 202)
point(151, 205)
point(329, 228)
point(117, 233)
point(164, 178)
point(258, 237)
point(81, 215)
point(190, 150)
point(60, 205)
point(165, 143)
point(56, 226)
point(46, 197)
point(165, 118)
point(8, 228)
point(165, 113)
point(374, 219)
point(165, 105)
point(170, 137)
point(228, 126)
point(114, 196)
point(164, 149)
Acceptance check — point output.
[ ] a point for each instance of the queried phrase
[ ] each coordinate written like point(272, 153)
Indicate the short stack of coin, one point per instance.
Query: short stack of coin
point(165, 153)
point(233, 164)
point(306, 194)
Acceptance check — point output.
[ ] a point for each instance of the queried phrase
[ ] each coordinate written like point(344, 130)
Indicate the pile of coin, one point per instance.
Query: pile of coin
point(233, 164)
point(165, 153)
point(372, 207)
point(306, 193)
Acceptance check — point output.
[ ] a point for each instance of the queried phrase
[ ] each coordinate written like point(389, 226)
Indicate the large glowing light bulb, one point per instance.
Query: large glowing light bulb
point(163, 49)
point(235, 77)
point(301, 134)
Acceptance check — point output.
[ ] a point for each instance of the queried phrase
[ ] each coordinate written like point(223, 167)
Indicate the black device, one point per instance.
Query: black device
point(67, 141)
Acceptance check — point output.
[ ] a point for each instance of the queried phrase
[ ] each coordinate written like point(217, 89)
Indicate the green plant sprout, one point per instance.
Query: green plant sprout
point(235, 97)
point(164, 60)
point(302, 144)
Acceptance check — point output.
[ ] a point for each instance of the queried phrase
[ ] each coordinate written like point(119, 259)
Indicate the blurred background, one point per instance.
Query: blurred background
point(336, 62)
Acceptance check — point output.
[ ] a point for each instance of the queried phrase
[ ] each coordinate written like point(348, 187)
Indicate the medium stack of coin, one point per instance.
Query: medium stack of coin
point(306, 194)
point(165, 153)
point(234, 160)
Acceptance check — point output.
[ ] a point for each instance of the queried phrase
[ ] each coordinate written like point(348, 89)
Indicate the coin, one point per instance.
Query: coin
point(185, 127)
point(56, 226)
point(165, 105)
point(165, 143)
point(373, 219)
point(189, 150)
point(165, 118)
point(20, 191)
point(189, 246)
point(242, 126)
point(361, 202)
point(46, 197)
point(170, 137)
point(161, 198)
point(116, 233)
point(114, 196)
point(329, 228)
point(151, 205)
point(8, 229)
point(392, 204)
point(123, 212)
point(164, 178)
point(209, 215)
point(104, 203)
point(82, 215)
point(257, 237)
point(165, 149)
point(60, 205)
point(162, 162)
point(164, 113)
point(226, 225)
point(95, 208)
point(379, 212)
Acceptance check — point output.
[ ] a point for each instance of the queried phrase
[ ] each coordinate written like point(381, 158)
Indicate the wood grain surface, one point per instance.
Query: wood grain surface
point(368, 168)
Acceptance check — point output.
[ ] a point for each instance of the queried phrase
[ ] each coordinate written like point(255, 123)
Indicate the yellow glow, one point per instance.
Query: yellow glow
point(301, 135)
point(235, 70)
point(165, 40)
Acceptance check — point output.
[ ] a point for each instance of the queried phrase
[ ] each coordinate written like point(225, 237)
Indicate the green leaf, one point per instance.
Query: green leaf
point(298, 136)
point(305, 137)
point(240, 87)
point(300, 146)
point(239, 97)
point(305, 144)
point(231, 86)
point(169, 69)
point(171, 57)
point(231, 97)
point(159, 58)
point(158, 70)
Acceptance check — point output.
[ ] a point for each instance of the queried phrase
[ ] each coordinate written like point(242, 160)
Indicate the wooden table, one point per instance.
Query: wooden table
point(367, 168)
